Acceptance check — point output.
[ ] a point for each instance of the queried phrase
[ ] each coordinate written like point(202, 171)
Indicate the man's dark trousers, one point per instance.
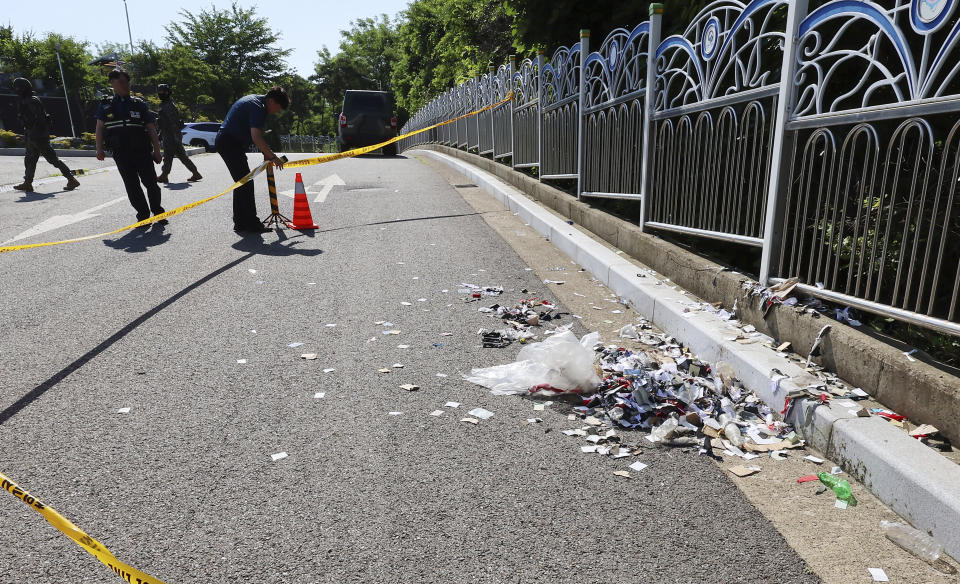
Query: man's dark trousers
point(136, 167)
point(234, 154)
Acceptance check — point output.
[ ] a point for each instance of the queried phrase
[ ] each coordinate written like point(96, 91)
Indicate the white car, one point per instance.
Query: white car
point(200, 134)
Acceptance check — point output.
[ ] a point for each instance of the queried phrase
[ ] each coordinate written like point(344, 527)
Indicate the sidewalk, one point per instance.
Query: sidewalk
point(913, 480)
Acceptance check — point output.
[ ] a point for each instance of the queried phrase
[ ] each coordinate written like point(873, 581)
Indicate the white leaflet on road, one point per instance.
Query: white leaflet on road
point(123, 411)
point(241, 361)
point(878, 575)
point(436, 413)
point(481, 413)
point(637, 466)
point(452, 404)
point(319, 395)
point(278, 456)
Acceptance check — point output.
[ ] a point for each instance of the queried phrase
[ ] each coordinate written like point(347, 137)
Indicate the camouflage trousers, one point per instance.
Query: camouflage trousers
point(38, 146)
point(174, 149)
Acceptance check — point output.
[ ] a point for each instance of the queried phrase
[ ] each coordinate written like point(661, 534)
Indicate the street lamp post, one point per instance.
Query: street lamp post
point(66, 98)
point(130, 34)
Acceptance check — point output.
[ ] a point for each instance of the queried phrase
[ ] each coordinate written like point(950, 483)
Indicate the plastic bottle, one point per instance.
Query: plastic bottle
point(841, 488)
point(731, 430)
point(913, 540)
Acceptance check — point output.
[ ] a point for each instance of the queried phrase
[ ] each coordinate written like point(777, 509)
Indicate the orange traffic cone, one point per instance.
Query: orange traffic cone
point(302, 219)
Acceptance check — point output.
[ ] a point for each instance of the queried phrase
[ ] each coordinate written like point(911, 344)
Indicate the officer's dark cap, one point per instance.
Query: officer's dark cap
point(163, 87)
point(21, 84)
point(117, 74)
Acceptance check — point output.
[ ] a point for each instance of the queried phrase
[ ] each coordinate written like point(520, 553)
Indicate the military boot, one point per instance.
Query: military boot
point(196, 176)
point(24, 186)
point(163, 178)
point(72, 183)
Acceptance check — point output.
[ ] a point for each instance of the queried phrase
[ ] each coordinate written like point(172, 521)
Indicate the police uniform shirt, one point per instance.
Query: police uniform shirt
point(248, 112)
point(125, 120)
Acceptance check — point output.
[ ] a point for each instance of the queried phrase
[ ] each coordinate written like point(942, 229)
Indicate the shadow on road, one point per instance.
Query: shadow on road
point(59, 376)
point(284, 246)
point(139, 240)
point(32, 196)
point(397, 221)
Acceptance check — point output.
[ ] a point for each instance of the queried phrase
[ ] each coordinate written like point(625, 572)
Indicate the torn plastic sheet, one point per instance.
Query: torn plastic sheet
point(560, 363)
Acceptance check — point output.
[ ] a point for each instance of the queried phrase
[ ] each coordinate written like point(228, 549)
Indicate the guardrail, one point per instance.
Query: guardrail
point(823, 132)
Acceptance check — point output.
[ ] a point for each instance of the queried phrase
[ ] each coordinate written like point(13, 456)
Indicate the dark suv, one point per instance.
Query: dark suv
point(367, 119)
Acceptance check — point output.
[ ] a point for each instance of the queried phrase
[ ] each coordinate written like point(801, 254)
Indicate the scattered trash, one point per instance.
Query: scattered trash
point(319, 395)
point(394, 413)
point(295, 345)
point(403, 346)
point(309, 356)
point(554, 282)
point(406, 304)
point(241, 361)
point(840, 487)
point(123, 411)
point(622, 473)
point(878, 575)
point(637, 466)
point(913, 540)
point(481, 413)
point(534, 420)
point(473, 421)
point(398, 365)
point(436, 413)
point(744, 471)
point(278, 456)
point(384, 370)
point(813, 459)
point(331, 325)
point(329, 370)
point(452, 404)
point(410, 387)
point(560, 363)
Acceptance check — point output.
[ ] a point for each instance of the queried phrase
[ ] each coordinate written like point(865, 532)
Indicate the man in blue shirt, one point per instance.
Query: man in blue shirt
point(127, 126)
point(242, 127)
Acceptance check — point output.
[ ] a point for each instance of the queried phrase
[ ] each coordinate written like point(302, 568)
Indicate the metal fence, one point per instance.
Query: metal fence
point(823, 132)
point(295, 143)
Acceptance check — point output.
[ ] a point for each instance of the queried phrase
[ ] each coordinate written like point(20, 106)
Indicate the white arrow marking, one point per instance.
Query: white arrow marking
point(58, 221)
point(326, 185)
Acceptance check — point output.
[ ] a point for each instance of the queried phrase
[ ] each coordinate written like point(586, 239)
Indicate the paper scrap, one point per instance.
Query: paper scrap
point(840, 504)
point(538, 407)
point(441, 375)
point(309, 356)
point(241, 361)
point(331, 325)
point(329, 370)
point(406, 304)
point(436, 413)
point(384, 370)
point(813, 459)
point(878, 575)
point(398, 365)
point(452, 405)
point(637, 466)
point(123, 411)
point(622, 473)
point(294, 345)
point(403, 346)
point(319, 395)
point(481, 413)
point(590, 449)
point(473, 421)
point(394, 413)
point(410, 387)
point(278, 456)
point(744, 471)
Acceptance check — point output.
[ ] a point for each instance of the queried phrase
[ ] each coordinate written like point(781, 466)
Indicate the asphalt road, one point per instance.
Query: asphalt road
point(184, 487)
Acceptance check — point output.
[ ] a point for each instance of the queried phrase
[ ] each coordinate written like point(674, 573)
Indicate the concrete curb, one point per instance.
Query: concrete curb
point(79, 153)
point(914, 481)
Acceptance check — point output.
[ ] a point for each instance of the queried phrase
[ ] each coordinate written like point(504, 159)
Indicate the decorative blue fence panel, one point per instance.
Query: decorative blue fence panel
point(560, 113)
point(526, 114)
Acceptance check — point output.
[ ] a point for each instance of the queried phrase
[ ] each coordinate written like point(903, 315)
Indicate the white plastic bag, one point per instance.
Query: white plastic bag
point(560, 361)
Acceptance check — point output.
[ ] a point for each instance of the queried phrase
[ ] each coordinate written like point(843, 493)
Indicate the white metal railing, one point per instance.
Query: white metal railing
point(823, 132)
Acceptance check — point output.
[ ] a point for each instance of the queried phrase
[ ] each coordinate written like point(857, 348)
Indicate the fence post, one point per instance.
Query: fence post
point(779, 163)
point(512, 68)
point(539, 111)
point(646, 175)
point(584, 52)
point(493, 124)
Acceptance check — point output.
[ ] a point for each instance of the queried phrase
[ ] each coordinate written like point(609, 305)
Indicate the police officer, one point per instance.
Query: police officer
point(36, 134)
point(170, 125)
point(127, 126)
point(242, 127)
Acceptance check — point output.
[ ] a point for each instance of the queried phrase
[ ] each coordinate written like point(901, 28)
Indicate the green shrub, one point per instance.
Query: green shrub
point(88, 138)
point(8, 138)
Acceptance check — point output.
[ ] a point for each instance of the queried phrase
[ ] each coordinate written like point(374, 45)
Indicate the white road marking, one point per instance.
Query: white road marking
point(58, 221)
point(326, 185)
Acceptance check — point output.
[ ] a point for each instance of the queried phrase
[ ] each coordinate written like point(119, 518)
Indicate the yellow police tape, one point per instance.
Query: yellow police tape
point(92, 546)
point(254, 173)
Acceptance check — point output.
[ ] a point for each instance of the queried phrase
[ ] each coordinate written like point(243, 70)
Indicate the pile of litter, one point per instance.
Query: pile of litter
point(666, 391)
point(520, 320)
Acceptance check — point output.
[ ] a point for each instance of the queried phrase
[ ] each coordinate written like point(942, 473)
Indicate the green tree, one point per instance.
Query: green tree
point(238, 46)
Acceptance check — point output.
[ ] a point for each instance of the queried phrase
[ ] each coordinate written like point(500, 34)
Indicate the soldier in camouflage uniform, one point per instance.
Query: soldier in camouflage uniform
point(36, 135)
point(169, 123)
